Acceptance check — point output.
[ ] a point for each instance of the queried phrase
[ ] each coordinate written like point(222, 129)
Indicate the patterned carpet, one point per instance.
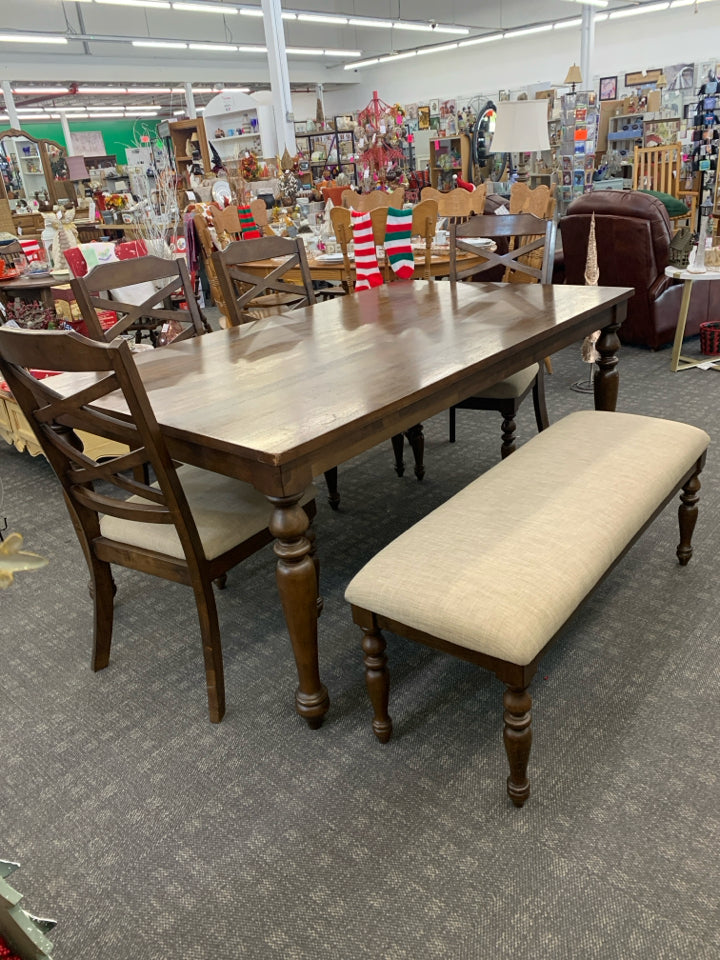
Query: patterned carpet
point(150, 833)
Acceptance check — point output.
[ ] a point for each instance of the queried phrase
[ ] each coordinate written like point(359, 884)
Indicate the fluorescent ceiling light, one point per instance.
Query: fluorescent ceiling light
point(568, 23)
point(357, 22)
point(105, 113)
point(29, 111)
point(487, 39)
point(288, 16)
point(204, 8)
point(153, 108)
point(599, 17)
point(257, 48)
point(321, 18)
point(98, 90)
point(422, 27)
point(342, 53)
point(234, 90)
point(313, 51)
point(252, 12)
point(526, 30)
point(147, 90)
point(398, 56)
point(361, 63)
point(220, 47)
point(40, 90)
point(461, 31)
point(178, 113)
point(592, 3)
point(635, 11)
point(149, 4)
point(446, 46)
point(31, 38)
point(161, 44)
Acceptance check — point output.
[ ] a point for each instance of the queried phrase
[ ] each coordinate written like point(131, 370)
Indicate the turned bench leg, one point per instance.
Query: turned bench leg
point(687, 515)
point(518, 738)
point(377, 680)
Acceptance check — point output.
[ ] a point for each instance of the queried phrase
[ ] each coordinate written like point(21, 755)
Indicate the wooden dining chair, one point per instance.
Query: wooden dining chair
point(530, 234)
point(374, 200)
point(189, 526)
point(424, 225)
point(659, 169)
point(457, 205)
point(249, 296)
point(129, 288)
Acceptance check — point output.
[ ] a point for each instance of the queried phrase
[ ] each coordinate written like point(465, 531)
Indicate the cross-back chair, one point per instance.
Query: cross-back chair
point(530, 234)
point(249, 295)
point(190, 526)
point(374, 200)
point(130, 289)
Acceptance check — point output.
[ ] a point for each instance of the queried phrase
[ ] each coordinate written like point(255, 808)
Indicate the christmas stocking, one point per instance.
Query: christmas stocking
point(367, 274)
point(249, 229)
point(398, 249)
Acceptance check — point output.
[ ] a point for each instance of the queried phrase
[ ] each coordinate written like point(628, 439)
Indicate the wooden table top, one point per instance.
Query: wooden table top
point(28, 282)
point(279, 400)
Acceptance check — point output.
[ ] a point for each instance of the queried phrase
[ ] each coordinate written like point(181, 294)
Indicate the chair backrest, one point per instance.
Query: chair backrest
point(531, 256)
point(341, 220)
point(55, 419)
point(365, 202)
point(539, 200)
point(456, 204)
point(207, 246)
point(658, 168)
point(227, 221)
point(110, 287)
point(259, 210)
point(424, 225)
point(240, 287)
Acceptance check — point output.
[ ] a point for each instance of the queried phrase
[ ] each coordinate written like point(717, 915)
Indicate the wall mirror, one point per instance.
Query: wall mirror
point(33, 173)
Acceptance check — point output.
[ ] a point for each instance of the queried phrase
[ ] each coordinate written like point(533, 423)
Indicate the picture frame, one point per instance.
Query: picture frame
point(435, 108)
point(434, 123)
point(423, 118)
point(608, 88)
point(642, 78)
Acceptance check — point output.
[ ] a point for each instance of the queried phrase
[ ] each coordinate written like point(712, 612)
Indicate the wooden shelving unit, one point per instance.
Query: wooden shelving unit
point(180, 132)
point(442, 146)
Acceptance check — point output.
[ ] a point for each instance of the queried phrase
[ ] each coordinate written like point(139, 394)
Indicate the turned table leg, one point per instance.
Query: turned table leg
point(517, 736)
point(607, 377)
point(298, 587)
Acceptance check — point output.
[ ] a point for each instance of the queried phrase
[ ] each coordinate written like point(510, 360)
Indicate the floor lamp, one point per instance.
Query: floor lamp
point(521, 126)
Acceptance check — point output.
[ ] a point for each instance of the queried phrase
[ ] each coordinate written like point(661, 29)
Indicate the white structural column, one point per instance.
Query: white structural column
point(587, 44)
point(68, 136)
point(279, 75)
point(10, 105)
point(190, 101)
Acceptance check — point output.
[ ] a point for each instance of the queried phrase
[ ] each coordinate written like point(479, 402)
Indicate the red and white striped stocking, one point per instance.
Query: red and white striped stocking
point(367, 273)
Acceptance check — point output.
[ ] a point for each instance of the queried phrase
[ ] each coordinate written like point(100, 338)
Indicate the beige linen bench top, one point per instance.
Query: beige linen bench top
point(493, 574)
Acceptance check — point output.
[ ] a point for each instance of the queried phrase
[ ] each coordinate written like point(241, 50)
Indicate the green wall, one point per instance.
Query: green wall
point(117, 134)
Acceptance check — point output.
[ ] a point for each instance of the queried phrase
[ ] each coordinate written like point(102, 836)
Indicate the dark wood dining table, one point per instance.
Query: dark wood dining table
point(278, 401)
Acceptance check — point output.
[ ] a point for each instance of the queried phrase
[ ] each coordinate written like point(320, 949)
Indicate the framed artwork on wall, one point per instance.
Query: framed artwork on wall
point(434, 108)
point(423, 118)
point(642, 78)
point(608, 88)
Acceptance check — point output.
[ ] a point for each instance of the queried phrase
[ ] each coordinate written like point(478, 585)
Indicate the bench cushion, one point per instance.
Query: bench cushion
point(503, 564)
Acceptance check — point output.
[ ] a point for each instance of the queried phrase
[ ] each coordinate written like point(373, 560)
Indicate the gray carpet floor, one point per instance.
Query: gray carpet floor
point(150, 833)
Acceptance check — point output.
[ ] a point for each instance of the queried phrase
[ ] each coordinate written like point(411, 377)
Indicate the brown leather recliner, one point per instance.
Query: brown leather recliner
point(633, 234)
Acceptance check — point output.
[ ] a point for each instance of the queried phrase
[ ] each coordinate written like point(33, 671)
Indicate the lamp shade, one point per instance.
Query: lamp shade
point(574, 75)
point(77, 169)
point(521, 126)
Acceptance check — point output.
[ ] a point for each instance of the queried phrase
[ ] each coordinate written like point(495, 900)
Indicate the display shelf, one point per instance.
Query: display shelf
point(332, 137)
point(243, 120)
point(458, 147)
point(180, 132)
point(235, 136)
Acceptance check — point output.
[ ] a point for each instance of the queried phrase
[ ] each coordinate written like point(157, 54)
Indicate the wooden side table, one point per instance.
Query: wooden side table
point(678, 361)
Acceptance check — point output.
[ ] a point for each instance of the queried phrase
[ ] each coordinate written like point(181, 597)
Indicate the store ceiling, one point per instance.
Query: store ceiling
point(220, 43)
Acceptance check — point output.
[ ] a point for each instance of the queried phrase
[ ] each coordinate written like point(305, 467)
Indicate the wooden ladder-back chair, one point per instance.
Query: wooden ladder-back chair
point(363, 202)
point(660, 169)
point(144, 309)
point(341, 220)
point(507, 395)
point(424, 225)
point(190, 526)
point(249, 296)
point(456, 205)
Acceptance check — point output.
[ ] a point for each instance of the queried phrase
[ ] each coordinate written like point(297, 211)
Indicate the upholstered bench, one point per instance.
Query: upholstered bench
point(492, 575)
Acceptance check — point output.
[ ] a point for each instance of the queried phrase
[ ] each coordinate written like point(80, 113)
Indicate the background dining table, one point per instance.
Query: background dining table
point(278, 401)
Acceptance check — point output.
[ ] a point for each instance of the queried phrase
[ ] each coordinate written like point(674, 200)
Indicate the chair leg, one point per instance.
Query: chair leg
point(451, 425)
point(538, 394)
point(102, 591)
point(687, 516)
point(212, 650)
point(331, 479)
point(398, 443)
point(377, 681)
point(548, 364)
point(416, 439)
point(508, 435)
point(517, 737)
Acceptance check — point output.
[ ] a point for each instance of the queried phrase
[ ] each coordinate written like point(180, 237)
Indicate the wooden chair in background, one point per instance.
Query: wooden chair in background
point(190, 526)
point(531, 234)
point(128, 287)
point(363, 202)
point(424, 225)
point(660, 169)
point(457, 204)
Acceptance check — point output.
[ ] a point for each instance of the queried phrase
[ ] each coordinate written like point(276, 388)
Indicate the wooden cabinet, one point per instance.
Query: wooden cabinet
point(624, 132)
point(449, 155)
point(190, 146)
point(328, 146)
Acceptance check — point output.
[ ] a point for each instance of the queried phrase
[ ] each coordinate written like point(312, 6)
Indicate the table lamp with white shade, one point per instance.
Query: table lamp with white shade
point(521, 126)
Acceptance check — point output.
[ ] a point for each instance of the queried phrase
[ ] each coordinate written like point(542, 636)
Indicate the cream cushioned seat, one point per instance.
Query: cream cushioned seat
point(502, 565)
point(226, 512)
